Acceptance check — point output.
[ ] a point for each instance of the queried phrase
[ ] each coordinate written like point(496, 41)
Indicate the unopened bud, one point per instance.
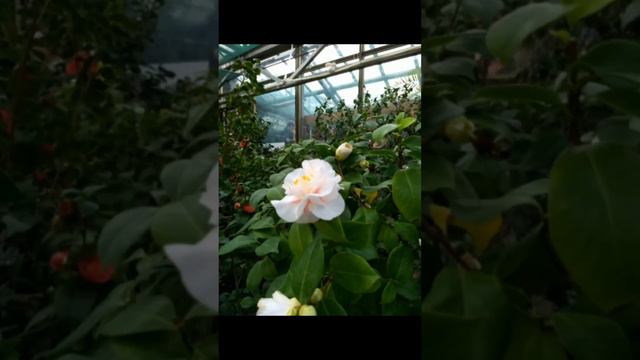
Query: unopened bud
point(343, 151)
point(316, 297)
point(307, 310)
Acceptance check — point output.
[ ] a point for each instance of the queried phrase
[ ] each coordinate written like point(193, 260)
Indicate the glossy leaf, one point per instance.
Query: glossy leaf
point(123, 232)
point(594, 200)
point(407, 191)
point(353, 273)
point(307, 270)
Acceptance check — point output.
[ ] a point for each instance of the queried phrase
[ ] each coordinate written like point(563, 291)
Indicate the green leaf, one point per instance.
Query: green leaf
point(379, 133)
point(331, 230)
point(151, 314)
point(354, 273)
point(300, 235)
point(257, 196)
point(589, 337)
point(116, 299)
point(407, 232)
point(581, 8)
point(529, 342)
point(471, 308)
point(485, 10)
point(263, 223)
point(330, 307)
point(278, 179)
point(631, 13)
point(519, 92)
point(505, 35)
point(616, 70)
point(389, 293)
point(270, 246)
point(455, 66)
point(184, 177)
point(406, 192)
point(440, 174)
point(400, 263)
point(275, 193)
point(627, 101)
point(388, 237)
point(122, 232)
point(184, 221)
point(254, 277)
point(405, 122)
point(307, 271)
point(594, 200)
point(199, 112)
point(239, 242)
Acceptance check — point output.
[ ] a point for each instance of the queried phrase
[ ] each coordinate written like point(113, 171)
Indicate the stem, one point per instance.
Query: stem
point(439, 237)
point(574, 126)
point(455, 14)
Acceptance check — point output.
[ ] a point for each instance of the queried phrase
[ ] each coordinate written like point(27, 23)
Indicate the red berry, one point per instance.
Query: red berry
point(92, 270)
point(47, 148)
point(39, 176)
point(248, 209)
point(66, 208)
point(244, 144)
point(7, 120)
point(58, 260)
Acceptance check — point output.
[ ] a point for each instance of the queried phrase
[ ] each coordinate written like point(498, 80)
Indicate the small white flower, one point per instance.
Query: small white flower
point(343, 151)
point(312, 193)
point(278, 305)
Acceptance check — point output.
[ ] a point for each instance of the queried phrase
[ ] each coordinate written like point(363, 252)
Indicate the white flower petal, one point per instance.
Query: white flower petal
point(278, 305)
point(198, 266)
point(210, 197)
point(290, 208)
point(327, 208)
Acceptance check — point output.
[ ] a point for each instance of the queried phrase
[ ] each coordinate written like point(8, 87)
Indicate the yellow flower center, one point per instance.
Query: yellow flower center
point(304, 178)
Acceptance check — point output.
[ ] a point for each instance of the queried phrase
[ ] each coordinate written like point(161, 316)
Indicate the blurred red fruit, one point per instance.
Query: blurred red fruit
point(7, 121)
point(244, 144)
point(66, 208)
point(248, 209)
point(236, 206)
point(47, 148)
point(58, 260)
point(92, 269)
point(75, 64)
point(39, 176)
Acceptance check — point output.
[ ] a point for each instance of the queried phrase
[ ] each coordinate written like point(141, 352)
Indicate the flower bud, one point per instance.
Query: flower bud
point(316, 297)
point(343, 151)
point(307, 310)
point(237, 206)
point(363, 164)
point(460, 130)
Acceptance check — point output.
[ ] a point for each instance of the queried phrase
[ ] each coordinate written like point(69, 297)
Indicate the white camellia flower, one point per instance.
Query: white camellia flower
point(343, 151)
point(198, 263)
point(312, 193)
point(278, 305)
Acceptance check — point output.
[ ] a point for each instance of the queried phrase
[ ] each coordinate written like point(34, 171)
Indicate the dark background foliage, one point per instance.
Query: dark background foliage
point(87, 129)
point(531, 174)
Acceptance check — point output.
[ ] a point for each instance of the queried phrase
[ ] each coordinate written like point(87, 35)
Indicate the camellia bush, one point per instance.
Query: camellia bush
point(332, 228)
point(532, 179)
point(102, 189)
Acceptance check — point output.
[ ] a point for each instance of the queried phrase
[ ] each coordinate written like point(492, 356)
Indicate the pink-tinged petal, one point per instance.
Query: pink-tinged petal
point(198, 266)
point(328, 207)
point(307, 217)
point(290, 208)
point(318, 167)
point(287, 184)
point(210, 197)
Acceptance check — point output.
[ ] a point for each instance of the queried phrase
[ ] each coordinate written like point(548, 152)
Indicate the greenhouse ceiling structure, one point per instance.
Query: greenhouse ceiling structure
point(299, 78)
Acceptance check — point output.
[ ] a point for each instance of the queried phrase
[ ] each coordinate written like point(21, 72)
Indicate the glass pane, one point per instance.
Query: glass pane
point(278, 108)
point(392, 74)
point(335, 88)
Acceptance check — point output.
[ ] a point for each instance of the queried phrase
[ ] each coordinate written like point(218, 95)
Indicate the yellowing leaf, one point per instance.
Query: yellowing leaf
point(372, 197)
point(440, 216)
point(481, 232)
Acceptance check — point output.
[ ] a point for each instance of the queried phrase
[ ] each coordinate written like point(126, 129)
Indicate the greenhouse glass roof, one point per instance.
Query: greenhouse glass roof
point(334, 73)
